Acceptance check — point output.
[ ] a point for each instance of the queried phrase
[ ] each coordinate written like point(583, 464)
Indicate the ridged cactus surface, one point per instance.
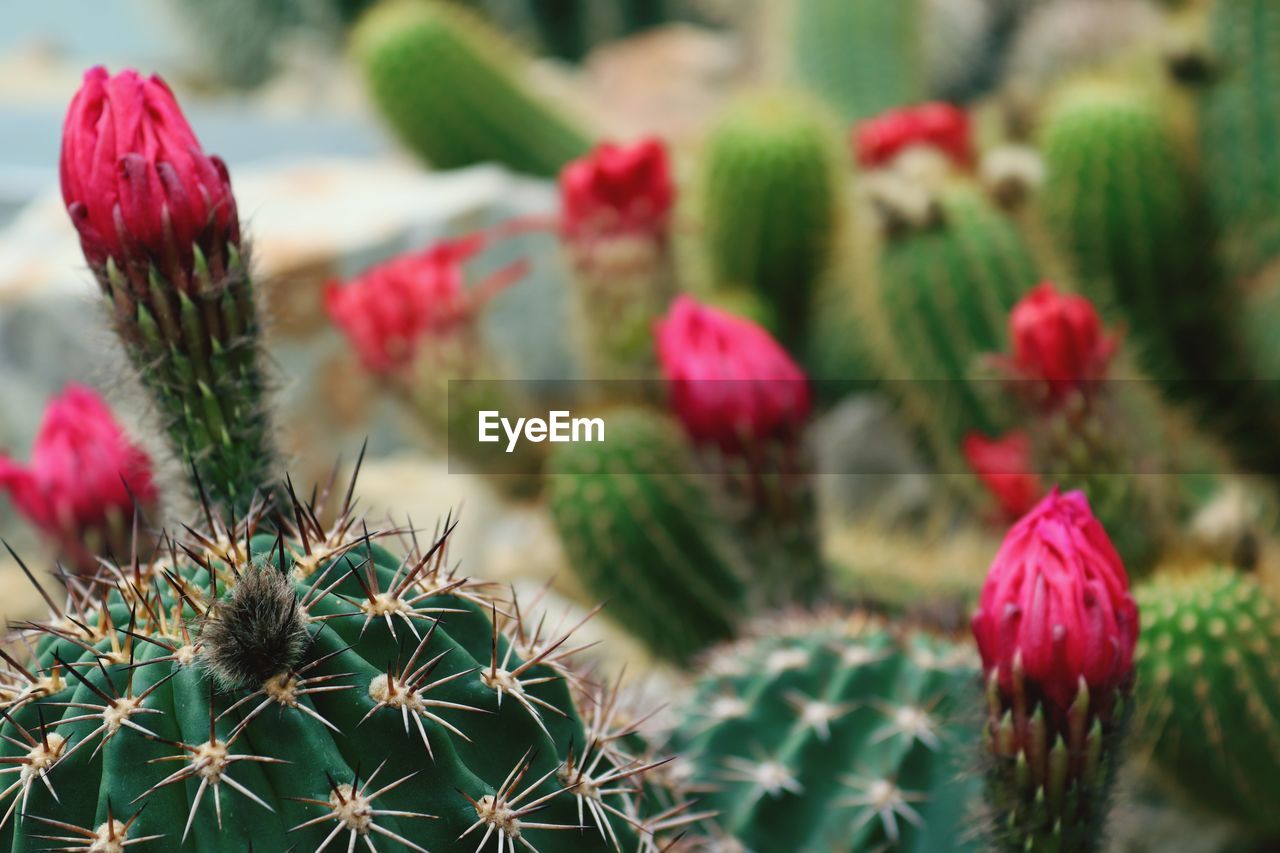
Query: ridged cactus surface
point(251, 692)
point(861, 56)
point(642, 533)
point(1209, 691)
point(834, 735)
point(451, 89)
point(773, 203)
point(941, 304)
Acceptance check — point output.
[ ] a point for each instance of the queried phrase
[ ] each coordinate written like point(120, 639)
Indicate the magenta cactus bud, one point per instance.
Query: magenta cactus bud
point(85, 475)
point(1058, 339)
point(730, 382)
point(1004, 467)
point(617, 189)
point(138, 186)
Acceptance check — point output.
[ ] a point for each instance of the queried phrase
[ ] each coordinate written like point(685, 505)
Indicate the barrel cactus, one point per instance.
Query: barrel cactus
point(834, 734)
point(451, 90)
point(641, 531)
point(1209, 690)
point(247, 690)
point(773, 203)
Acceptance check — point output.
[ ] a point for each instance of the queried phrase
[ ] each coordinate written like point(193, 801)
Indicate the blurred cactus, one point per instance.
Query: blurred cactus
point(452, 90)
point(820, 734)
point(861, 56)
point(1209, 690)
point(641, 531)
point(773, 203)
point(939, 304)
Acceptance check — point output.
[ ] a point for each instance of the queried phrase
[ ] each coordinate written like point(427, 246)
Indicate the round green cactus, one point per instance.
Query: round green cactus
point(451, 90)
point(824, 734)
point(1209, 691)
point(247, 691)
point(773, 203)
point(642, 533)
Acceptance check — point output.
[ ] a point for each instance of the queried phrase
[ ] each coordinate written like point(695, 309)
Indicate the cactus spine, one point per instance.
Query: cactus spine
point(258, 691)
point(1209, 690)
point(834, 735)
point(773, 203)
point(861, 56)
point(641, 532)
point(449, 88)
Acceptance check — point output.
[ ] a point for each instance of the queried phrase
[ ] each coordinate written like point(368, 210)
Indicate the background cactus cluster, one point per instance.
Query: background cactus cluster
point(1042, 238)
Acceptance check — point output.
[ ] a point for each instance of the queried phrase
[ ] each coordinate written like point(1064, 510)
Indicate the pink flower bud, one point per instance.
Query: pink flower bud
point(617, 189)
point(1058, 339)
point(937, 125)
point(1056, 610)
point(390, 310)
point(84, 475)
point(730, 382)
point(1004, 467)
point(135, 181)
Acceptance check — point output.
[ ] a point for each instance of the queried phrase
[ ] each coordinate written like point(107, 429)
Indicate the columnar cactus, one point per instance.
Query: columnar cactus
point(861, 57)
point(451, 90)
point(834, 734)
point(1209, 690)
point(643, 533)
point(1056, 628)
point(244, 690)
point(745, 404)
point(773, 203)
point(615, 226)
point(938, 305)
point(159, 228)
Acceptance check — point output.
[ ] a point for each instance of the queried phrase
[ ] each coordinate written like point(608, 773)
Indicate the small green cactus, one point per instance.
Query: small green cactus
point(835, 735)
point(773, 203)
point(1209, 691)
point(255, 691)
point(939, 304)
point(642, 533)
point(861, 56)
point(451, 90)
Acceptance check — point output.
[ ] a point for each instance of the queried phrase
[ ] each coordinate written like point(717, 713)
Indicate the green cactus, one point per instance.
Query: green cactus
point(1209, 691)
point(861, 56)
point(641, 532)
point(835, 735)
point(1240, 123)
point(940, 304)
point(251, 691)
point(451, 90)
point(773, 203)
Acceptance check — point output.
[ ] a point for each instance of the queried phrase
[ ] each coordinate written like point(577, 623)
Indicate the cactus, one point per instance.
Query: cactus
point(1240, 121)
point(834, 735)
point(450, 89)
point(861, 56)
point(641, 533)
point(773, 203)
point(247, 691)
point(1209, 691)
point(940, 303)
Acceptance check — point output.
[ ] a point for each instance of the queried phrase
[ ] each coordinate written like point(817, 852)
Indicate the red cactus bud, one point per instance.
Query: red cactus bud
point(730, 382)
point(1004, 467)
point(84, 476)
point(390, 310)
point(937, 125)
point(1058, 339)
point(617, 189)
point(138, 186)
point(1055, 611)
